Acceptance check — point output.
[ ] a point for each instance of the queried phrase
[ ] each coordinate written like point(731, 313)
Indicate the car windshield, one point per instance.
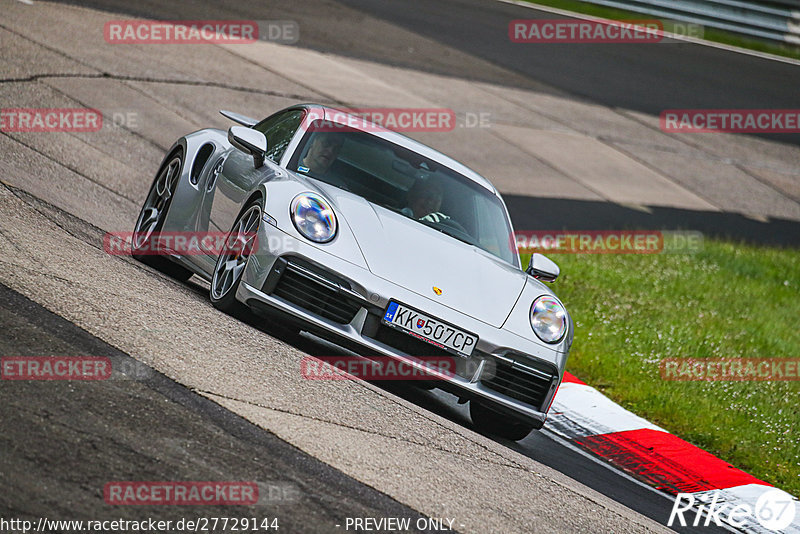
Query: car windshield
point(408, 183)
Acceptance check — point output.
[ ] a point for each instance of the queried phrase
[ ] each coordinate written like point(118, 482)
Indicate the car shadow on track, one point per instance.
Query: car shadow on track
point(431, 400)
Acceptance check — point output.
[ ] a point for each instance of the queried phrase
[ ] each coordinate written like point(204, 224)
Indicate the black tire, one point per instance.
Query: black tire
point(488, 421)
point(225, 281)
point(152, 215)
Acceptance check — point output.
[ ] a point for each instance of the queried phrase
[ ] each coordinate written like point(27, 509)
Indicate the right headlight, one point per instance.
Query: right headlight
point(313, 217)
point(548, 319)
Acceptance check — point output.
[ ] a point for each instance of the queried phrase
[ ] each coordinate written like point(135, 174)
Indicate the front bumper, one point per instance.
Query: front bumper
point(517, 376)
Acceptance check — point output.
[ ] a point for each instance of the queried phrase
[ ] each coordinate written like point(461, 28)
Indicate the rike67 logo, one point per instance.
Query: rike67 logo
point(774, 510)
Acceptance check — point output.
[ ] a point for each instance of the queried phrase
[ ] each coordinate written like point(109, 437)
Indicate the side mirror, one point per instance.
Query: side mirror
point(250, 142)
point(543, 268)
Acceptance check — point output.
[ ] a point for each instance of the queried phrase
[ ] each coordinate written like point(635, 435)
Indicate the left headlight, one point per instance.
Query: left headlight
point(313, 217)
point(548, 319)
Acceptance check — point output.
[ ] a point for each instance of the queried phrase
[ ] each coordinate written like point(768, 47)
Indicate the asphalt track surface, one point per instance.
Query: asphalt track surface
point(148, 427)
point(667, 76)
point(61, 448)
point(139, 425)
point(647, 78)
point(551, 451)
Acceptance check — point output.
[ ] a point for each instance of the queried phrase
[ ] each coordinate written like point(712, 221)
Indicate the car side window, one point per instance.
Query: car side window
point(279, 130)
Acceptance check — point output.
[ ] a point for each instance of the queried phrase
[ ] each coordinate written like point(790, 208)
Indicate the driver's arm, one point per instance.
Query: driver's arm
point(435, 217)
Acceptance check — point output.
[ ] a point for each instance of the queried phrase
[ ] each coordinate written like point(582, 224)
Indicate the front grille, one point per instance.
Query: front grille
point(518, 383)
point(312, 294)
point(463, 367)
point(408, 344)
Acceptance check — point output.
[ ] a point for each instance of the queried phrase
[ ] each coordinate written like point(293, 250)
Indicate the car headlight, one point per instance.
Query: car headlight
point(548, 319)
point(313, 217)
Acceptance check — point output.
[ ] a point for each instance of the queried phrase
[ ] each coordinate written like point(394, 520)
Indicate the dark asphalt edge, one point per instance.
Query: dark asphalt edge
point(224, 419)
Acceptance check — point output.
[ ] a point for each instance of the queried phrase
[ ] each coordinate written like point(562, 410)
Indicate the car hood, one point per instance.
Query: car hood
point(419, 258)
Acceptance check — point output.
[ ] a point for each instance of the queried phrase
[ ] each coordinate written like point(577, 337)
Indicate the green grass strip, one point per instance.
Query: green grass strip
point(727, 301)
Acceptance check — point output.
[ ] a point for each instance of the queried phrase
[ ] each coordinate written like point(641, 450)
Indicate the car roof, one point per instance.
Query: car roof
point(356, 122)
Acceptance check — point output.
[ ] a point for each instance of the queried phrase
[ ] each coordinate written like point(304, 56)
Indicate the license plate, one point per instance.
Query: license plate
point(429, 330)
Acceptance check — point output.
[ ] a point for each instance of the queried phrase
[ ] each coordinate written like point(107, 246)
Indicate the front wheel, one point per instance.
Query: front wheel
point(151, 220)
point(233, 259)
point(489, 421)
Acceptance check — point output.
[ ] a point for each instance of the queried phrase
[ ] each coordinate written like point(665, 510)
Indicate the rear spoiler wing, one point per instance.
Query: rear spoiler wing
point(241, 119)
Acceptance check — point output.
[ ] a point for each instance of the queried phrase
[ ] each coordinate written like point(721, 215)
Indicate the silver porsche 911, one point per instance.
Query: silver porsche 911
point(373, 241)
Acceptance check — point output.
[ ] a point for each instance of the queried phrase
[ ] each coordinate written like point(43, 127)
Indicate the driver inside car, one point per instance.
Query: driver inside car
point(320, 156)
point(424, 200)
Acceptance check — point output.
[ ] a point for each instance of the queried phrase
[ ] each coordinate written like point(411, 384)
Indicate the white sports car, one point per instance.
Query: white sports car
point(373, 241)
